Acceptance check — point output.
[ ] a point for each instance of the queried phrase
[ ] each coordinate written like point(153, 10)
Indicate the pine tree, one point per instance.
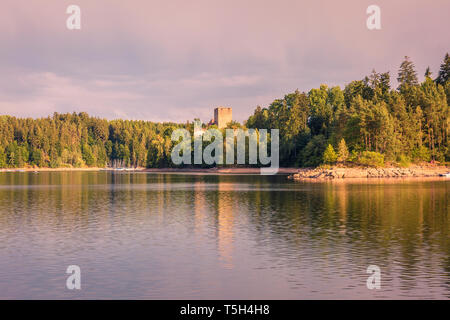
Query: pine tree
point(329, 156)
point(342, 151)
point(444, 71)
point(407, 75)
point(385, 79)
point(428, 73)
point(374, 79)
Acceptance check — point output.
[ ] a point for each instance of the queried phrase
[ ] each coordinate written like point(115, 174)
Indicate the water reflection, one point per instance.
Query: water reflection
point(225, 221)
point(139, 235)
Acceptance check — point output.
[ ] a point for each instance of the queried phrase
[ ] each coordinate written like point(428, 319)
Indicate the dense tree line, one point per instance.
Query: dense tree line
point(77, 140)
point(366, 122)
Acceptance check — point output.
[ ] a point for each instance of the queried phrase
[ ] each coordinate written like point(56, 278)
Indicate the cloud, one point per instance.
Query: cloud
point(37, 94)
point(176, 60)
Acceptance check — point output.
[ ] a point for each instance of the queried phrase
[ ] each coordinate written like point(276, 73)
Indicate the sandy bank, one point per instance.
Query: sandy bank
point(49, 169)
point(241, 171)
point(250, 171)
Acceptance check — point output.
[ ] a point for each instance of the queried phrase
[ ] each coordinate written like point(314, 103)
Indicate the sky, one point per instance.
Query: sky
point(173, 60)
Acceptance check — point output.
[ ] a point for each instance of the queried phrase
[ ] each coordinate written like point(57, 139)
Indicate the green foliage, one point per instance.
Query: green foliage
point(353, 156)
point(313, 151)
point(78, 140)
point(321, 110)
point(412, 121)
point(88, 156)
point(421, 154)
point(371, 158)
point(155, 157)
point(290, 115)
point(329, 155)
point(36, 158)
point(447, 91)
point(342, 151)
point(404, 161)
point(407, 75)
point(428, 73)
point(2, 159)
point(447, 154)
point(367, 120)
point(444, 71)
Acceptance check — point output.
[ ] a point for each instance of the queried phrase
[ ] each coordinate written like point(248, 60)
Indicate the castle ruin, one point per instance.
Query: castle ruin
point(222, 116)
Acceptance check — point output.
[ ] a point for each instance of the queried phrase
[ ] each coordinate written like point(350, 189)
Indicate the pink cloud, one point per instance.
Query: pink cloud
point(175, 60)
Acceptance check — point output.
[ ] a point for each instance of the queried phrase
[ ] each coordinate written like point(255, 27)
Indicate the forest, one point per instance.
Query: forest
point(367, 122)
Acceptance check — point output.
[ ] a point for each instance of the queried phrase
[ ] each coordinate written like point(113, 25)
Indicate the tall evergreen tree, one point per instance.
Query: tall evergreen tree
point(385, 82)
point(407, 75)
point(444, 71)
point(329, 155)
point(428, 73)
point(342, 150)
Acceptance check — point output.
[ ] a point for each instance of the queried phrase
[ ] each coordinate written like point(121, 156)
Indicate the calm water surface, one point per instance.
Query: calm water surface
point(149, 236)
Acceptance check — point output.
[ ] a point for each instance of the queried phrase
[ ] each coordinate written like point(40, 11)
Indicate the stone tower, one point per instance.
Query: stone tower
point(222, 116)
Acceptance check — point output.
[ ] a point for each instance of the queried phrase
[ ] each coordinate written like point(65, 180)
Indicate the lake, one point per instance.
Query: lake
point(170, 236)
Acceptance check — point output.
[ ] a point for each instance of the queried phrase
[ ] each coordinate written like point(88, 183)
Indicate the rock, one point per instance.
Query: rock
point(360, 172)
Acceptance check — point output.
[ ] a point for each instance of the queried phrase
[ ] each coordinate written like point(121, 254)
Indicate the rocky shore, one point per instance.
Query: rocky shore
point(360, 172)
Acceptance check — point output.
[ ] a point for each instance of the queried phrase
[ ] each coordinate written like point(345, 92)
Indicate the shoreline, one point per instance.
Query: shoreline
point(366, 173)
point(49, 169)
point(224, 171)
point(296, 174)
